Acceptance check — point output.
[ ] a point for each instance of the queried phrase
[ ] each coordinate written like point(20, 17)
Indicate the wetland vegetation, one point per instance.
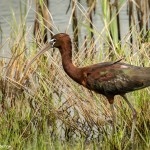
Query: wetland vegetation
point(44, 108)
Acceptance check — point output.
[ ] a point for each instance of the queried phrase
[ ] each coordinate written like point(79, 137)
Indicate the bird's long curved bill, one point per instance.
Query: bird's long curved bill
point(36, 56)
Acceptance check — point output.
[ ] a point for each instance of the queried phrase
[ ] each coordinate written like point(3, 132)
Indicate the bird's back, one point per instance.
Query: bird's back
point(115, 78)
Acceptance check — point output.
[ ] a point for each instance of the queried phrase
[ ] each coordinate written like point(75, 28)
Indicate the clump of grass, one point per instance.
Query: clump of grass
point(47, 110)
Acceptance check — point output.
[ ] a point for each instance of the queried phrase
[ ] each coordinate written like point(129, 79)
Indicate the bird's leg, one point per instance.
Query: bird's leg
point(134, 117)
point(113, 117)
point(111, 102)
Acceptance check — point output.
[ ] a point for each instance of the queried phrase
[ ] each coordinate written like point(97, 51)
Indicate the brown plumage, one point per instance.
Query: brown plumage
point(108, 78)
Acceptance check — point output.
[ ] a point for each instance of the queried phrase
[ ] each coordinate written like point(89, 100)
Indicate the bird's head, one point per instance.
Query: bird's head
point(58, 40)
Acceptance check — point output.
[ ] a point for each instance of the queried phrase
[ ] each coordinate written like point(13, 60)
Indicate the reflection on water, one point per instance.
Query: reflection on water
point(58, 10)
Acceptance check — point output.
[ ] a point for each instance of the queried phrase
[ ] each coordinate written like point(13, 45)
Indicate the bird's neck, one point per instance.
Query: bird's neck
point(69, 67)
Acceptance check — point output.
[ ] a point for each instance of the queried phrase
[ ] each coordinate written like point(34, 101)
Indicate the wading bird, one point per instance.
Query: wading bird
point(107, 78)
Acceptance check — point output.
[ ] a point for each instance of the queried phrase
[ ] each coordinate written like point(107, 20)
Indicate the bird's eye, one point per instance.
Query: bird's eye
point(52, 41)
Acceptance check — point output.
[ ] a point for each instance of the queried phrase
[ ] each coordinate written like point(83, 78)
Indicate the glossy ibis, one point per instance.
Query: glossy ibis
point(108, 78)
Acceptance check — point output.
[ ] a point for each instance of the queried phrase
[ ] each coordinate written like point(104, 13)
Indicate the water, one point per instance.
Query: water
point(58, 10)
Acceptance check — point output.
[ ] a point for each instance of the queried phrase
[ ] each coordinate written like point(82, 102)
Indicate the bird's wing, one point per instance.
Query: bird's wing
point(116, 79)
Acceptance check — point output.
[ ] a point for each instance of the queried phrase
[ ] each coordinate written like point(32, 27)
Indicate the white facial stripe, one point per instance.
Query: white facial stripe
point(52, 41)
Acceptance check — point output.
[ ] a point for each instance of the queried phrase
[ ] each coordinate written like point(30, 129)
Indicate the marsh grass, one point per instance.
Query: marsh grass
point(45, 109)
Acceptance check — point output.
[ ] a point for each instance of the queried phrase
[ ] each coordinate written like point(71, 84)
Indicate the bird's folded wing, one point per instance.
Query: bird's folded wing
point(115, 81)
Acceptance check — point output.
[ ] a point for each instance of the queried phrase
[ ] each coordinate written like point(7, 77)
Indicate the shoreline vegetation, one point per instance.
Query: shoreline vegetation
point(45, 109)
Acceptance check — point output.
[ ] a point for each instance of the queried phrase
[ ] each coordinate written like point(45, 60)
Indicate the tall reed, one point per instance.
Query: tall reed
point(47, 110)
point(42, 21)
